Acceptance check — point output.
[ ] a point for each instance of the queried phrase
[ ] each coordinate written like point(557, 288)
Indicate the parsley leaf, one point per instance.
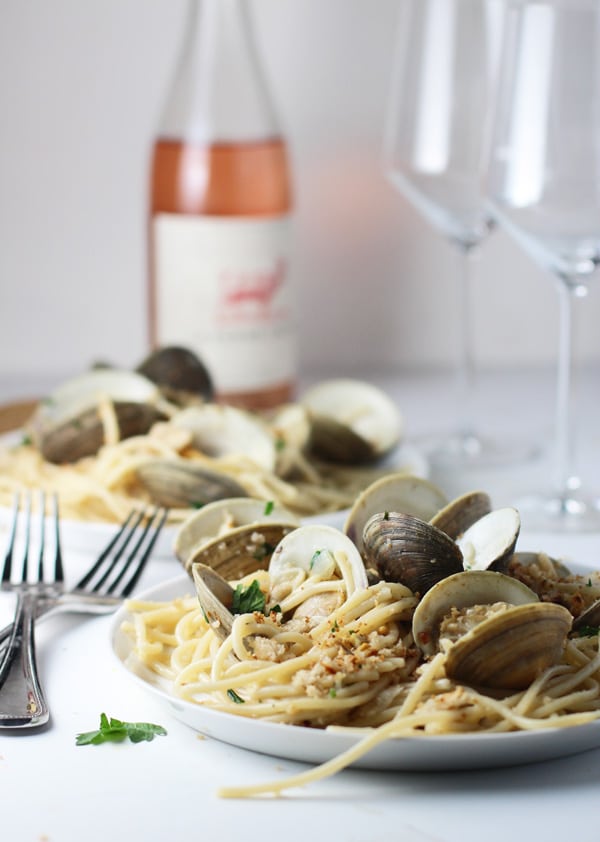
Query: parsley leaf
point(234, 697)
point(269, 506)
point(248, 600)
point(588, 631)
point(115, 731)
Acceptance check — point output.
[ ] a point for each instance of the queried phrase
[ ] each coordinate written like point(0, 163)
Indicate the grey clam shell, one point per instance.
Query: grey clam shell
point(403, 548)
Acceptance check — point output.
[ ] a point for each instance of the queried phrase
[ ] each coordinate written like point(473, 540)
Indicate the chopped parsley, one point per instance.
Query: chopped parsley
point(315, 558)
point(333, 692)
point(262, 551)
point(588, 631)
point(279, 444)
point(234, 697)
point(246, 600)
point(26, 440)
point(269, 506)
point(114, 731)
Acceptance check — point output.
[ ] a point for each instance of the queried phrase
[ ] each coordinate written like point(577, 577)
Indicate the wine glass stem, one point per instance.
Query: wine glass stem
point(564, 388)
point(466, 368)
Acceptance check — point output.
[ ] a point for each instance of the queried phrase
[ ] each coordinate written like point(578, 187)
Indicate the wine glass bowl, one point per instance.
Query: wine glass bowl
point(543, 187)
point(434, 140)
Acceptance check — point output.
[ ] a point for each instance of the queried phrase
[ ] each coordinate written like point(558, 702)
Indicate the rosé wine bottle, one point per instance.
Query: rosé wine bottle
point(220, 208)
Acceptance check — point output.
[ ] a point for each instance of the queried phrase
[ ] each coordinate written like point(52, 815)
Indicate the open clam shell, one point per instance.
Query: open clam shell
point(455, 517)
point(403, 548)
point(67, 425)
point(352, 422)
point(215, 596)
point(319, 550)
point(478, 587)
point(217, 519)
point(233, 537)
point(490, 541)
point(511, 650)
point(505, 649)
point(397, 493)
point(222, 431)
point(175, 483)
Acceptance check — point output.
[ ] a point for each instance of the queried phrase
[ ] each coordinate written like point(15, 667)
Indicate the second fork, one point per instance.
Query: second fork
point(22, 700)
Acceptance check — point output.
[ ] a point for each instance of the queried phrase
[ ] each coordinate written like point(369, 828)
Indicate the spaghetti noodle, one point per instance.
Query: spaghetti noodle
point(355, 666)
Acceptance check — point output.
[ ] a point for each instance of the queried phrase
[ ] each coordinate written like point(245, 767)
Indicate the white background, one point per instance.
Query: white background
point(81, 87)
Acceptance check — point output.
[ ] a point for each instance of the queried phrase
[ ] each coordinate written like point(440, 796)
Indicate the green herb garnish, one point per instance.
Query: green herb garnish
point(234, 697)
point(269, 507)
point(279, 444)
point(197, 504)
point(26, 440)
point(246, 600)
point(114, 731)
point(333, 692)
point(262, 551)
point(588, 631)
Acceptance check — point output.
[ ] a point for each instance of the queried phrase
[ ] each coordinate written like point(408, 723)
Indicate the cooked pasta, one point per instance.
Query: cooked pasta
point(104, 487)
point(354, 666)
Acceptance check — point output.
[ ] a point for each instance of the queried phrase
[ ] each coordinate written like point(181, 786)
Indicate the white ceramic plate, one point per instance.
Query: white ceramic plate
point(79, 536)
point(461, 751)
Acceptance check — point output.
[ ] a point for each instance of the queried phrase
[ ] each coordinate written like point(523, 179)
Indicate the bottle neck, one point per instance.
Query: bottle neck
point(220, 92)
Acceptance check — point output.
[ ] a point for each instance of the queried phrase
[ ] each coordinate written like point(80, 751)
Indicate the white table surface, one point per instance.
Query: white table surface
point(53, 791)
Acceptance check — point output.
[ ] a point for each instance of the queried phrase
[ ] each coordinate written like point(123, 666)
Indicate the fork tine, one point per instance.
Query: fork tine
point(141, 559)
point(25, 568)
point(40, 567)
point(8, 558)
point(92, 572)
point(59, 574)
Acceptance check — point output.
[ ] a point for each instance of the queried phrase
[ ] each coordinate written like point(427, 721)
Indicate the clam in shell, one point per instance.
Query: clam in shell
point(403, 548)
point(68, 424)
point(459, 514)
point(234, 536)
point(352, 422)
point(175, 483)
point(225, 431)
point(490, 541)
point(397, 493)
point(319, 550)
point(495, 632)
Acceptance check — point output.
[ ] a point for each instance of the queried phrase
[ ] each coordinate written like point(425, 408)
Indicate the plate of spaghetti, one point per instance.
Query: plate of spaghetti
point(325, 669)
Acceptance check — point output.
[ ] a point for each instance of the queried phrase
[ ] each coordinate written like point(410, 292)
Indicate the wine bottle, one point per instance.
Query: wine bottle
point(220, 213)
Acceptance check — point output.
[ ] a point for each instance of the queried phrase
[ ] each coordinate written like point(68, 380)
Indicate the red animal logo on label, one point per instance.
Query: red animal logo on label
point(250, 294)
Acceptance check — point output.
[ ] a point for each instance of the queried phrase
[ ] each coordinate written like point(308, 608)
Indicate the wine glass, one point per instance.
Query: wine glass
point(543, 183)
point(440, 96)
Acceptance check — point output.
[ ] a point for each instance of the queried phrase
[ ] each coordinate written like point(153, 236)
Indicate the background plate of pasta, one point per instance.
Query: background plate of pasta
point(347, 689)
point(109, 440)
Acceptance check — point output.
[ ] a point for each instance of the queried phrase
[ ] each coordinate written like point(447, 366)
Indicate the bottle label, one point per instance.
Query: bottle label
point(223, 290)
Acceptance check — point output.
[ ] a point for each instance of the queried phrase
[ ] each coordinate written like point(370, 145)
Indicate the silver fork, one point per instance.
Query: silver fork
point(109, 581)
point(112, 578)
point(22, 700)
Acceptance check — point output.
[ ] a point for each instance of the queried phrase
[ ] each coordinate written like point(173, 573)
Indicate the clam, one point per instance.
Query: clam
point(459, 514)
point(320, 551)
point(352, 422)
point(225, 431)
point(556, 583)
point(234, 537)
point(491, 540)
point(175, 483)
point(494, 630)
point(406, 549)
point(215, 596)
point(68, 425)
point(181, 375)
point(394, 492)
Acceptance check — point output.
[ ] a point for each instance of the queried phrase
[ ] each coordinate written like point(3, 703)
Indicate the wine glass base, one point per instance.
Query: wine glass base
point(471, 452)
point(570, 512)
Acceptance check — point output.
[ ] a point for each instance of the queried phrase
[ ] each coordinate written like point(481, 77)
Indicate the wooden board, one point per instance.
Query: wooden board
point(13, 415)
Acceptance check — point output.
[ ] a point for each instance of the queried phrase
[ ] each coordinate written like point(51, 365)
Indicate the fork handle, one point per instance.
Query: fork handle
point(22, 701)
